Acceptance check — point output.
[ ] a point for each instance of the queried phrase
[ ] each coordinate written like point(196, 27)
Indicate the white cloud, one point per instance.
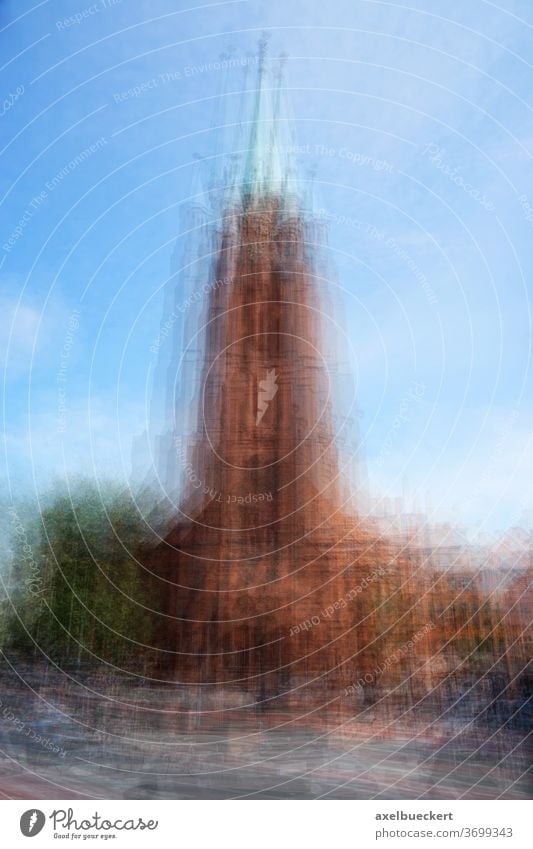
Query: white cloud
point(93, 441)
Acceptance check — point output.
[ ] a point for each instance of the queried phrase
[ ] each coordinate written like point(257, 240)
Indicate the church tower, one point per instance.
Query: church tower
point(259, 569)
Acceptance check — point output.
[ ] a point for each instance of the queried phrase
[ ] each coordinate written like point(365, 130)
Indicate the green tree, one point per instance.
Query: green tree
point(75, 590)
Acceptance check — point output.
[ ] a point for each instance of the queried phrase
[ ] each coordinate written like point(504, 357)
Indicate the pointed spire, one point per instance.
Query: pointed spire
point(264, 171)
point(276, 118)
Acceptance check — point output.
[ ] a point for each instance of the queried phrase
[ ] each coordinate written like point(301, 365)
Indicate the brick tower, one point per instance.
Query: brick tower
point(258, 571)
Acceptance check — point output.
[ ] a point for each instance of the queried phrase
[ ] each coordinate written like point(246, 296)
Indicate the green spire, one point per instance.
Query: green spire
point(265, 165)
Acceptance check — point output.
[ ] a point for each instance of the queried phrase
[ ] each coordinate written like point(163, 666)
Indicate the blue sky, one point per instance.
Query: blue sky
point(418, 123)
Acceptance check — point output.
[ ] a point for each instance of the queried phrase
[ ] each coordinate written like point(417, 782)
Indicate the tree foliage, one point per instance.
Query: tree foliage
point(75, 590)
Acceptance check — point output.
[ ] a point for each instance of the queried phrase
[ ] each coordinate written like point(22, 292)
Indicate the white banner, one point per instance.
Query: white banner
point(268, 824)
